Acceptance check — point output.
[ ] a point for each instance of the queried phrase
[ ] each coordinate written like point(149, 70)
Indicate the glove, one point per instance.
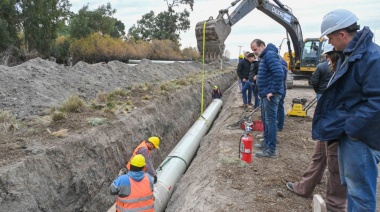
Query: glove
point(123, 171)
point(155, 179)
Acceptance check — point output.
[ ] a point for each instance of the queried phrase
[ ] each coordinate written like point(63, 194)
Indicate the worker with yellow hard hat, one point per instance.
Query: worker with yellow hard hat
point(216, 93)
point(134, 189)
point(144, 149)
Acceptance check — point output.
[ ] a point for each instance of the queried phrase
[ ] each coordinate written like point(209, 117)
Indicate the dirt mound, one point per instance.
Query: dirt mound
point(35, 86)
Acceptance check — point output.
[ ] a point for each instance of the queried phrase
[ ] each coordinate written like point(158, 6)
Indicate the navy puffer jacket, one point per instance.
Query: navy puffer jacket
point(350, 105)
point(271, 75)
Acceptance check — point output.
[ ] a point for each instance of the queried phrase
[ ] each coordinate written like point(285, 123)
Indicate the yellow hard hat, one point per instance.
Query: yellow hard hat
point(138, 161)
point(241, 56)
point(155, 141)
point(215, 87)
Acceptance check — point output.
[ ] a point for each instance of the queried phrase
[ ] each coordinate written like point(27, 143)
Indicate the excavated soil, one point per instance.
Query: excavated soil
point(40, 172)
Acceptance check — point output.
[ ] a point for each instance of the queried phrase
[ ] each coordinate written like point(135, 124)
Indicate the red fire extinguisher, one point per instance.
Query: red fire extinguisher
point(245, 147)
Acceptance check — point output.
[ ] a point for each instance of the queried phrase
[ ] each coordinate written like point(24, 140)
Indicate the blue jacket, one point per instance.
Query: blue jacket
point(122, 185)
point(271, 75)
point(285, 69)
point(350, 105)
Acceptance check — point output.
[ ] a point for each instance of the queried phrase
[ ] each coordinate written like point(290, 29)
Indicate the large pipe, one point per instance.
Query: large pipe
point(171, 169)
point(176, 163)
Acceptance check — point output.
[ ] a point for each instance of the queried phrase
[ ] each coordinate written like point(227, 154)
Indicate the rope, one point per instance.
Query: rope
point(203, 65)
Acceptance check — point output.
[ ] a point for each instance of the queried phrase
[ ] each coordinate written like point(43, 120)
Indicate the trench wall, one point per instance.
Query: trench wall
point(75, 176)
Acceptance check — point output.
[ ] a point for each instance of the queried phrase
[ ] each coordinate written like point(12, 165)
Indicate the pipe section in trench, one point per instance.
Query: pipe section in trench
point(172, 168)
point(178, 160)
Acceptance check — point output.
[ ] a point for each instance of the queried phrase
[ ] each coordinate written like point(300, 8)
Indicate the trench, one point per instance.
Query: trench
point(76, 175)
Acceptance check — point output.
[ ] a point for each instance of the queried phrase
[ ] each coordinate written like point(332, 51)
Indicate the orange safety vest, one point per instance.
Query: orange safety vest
point(140, 199)
point(142, 145)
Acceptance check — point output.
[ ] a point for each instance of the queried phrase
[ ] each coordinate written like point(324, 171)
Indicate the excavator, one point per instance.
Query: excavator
point(302, 60)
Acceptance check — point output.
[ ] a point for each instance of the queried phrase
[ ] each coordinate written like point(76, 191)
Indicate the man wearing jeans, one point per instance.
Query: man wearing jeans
point(348, 112)
point(270, 87)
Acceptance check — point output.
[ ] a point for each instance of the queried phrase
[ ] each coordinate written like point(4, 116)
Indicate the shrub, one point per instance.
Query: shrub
point(73, 104)
point(101, 97)
point(97, 121)
point(164, 86)
point(56, 116)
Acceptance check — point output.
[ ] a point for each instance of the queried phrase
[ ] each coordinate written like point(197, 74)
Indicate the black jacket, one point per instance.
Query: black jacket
point(243, 69)
point(253, 71)
point(321, 77)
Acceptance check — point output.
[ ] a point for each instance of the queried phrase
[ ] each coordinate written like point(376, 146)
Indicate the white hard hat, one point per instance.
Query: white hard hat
point(337, 19)
point(328, 48)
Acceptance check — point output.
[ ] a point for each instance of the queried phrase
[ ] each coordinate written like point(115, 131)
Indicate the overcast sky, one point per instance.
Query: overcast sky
point(254, 25)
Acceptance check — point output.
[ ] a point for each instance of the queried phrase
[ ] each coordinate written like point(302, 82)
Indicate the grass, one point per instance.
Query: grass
point(60, 133)
point(57, 116)
point(97, 121)
point(7, 121)
point(101, 97)
point(233, 161)
point(72, 104)
point(164, 86)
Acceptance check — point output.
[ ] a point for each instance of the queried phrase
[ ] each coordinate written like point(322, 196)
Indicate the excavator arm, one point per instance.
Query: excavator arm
point(217, 30)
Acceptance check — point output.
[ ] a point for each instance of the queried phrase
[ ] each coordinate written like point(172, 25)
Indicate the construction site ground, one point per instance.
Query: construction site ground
point(41, 172)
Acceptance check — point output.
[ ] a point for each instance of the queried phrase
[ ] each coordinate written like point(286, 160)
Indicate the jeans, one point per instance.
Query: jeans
point(240, 84)
point(281, 113)
point(270, 125)
point(256, 96)
point(318, 96)
point(358, 171)
point(247, 86)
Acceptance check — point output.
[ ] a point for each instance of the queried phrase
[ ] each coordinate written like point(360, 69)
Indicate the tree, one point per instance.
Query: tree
point(41, 20)
point(87, 22)
point(9, 24)
point(166, 25)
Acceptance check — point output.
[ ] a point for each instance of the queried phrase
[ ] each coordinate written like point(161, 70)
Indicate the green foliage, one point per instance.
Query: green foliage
point(41, 21)
point(9, 24)
point(61, 49)
point(97, 121)
point(166, 25)
point(100, 20)
point(72, 104)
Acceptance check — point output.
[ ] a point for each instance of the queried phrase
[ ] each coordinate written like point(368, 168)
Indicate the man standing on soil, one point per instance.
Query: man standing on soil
point(144, 149)
point(271, 87)
point(134, 190)
point(243, 72)
point(348, 112)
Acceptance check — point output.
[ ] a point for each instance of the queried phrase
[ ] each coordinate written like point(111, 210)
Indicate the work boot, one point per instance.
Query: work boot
point(259, 146)
point(250, 104)
point(243, 106)
point(266, 154)
point(289, 185)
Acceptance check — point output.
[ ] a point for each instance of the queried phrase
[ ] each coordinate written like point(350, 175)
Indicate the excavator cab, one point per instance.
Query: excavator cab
point(311, 54)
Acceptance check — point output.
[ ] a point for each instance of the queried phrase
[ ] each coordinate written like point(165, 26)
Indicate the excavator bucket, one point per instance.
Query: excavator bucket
point(216, 33)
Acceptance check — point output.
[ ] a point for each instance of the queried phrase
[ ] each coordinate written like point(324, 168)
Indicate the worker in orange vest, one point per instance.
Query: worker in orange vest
point(134, 190)
point(144, 149)
point(216, 93)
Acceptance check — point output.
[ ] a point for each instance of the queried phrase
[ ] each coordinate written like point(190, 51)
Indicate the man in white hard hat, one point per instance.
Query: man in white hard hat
point(348, 112)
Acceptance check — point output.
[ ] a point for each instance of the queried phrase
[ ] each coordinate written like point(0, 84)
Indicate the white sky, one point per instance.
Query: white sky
point(254, 25)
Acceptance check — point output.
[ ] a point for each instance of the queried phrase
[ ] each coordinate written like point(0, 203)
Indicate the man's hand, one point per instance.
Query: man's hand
point(155, 179)
point(269, 95)
point(123, 171)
